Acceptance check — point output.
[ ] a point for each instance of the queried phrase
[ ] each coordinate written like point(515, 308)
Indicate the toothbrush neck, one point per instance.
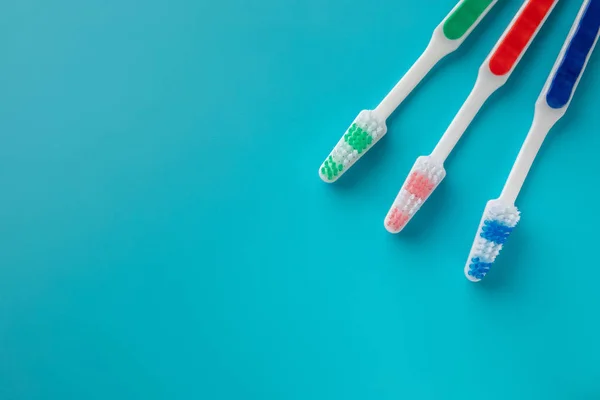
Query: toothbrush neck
point(543, 121)
point(432, 54)
point(482, 90)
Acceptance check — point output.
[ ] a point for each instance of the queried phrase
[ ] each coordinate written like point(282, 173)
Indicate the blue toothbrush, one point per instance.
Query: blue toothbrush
point(501, 216)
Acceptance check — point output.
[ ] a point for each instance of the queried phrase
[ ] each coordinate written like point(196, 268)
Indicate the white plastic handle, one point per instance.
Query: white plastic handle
point(439, 47)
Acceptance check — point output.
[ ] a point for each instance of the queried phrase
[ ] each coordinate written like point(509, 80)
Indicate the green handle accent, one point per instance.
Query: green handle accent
point(459, 22)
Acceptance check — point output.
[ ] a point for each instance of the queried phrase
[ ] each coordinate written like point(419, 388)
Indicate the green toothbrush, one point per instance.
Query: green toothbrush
point(369, 126)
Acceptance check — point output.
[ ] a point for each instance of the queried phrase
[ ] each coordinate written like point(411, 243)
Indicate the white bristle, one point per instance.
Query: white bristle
point(349, 149)
point(498, 219)
point(423, 179)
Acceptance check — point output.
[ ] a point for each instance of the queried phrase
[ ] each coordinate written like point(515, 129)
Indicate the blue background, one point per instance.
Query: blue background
point(164, 233)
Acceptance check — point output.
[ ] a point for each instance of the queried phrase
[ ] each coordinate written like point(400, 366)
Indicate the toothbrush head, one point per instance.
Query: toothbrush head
point(424, 177)
point(498, 221)
point(364, 132)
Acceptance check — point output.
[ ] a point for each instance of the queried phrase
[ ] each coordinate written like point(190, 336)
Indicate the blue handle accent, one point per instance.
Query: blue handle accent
point(582, 42)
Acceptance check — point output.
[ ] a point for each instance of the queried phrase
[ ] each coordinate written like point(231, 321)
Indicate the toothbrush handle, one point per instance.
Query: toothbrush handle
point(574, 56)
point(542, 123)
point(447, 37)
point(557, 93)
point(496, 69)
point(480, 93)
point(434, 52)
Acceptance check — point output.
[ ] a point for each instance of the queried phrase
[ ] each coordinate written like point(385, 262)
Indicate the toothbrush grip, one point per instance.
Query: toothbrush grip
point(465, 17)
point(578, 49)
point(519, 35)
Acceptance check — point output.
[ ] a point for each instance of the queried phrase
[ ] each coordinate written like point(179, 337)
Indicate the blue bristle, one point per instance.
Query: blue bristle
point(478, 268)
point(496, 232)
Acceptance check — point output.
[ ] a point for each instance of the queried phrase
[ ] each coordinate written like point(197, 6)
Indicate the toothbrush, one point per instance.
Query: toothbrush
point(370, 125)
point(428, 171)
point(501, 216)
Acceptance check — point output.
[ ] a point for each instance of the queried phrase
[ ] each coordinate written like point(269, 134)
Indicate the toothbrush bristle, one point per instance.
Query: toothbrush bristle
point(364, 132)
point(424, 177)
point(498, 222)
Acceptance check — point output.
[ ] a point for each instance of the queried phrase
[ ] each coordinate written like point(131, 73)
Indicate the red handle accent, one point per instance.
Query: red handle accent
point(518, 37)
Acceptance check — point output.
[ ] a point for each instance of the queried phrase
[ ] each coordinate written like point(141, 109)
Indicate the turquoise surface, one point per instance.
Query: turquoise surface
point(164, 233)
